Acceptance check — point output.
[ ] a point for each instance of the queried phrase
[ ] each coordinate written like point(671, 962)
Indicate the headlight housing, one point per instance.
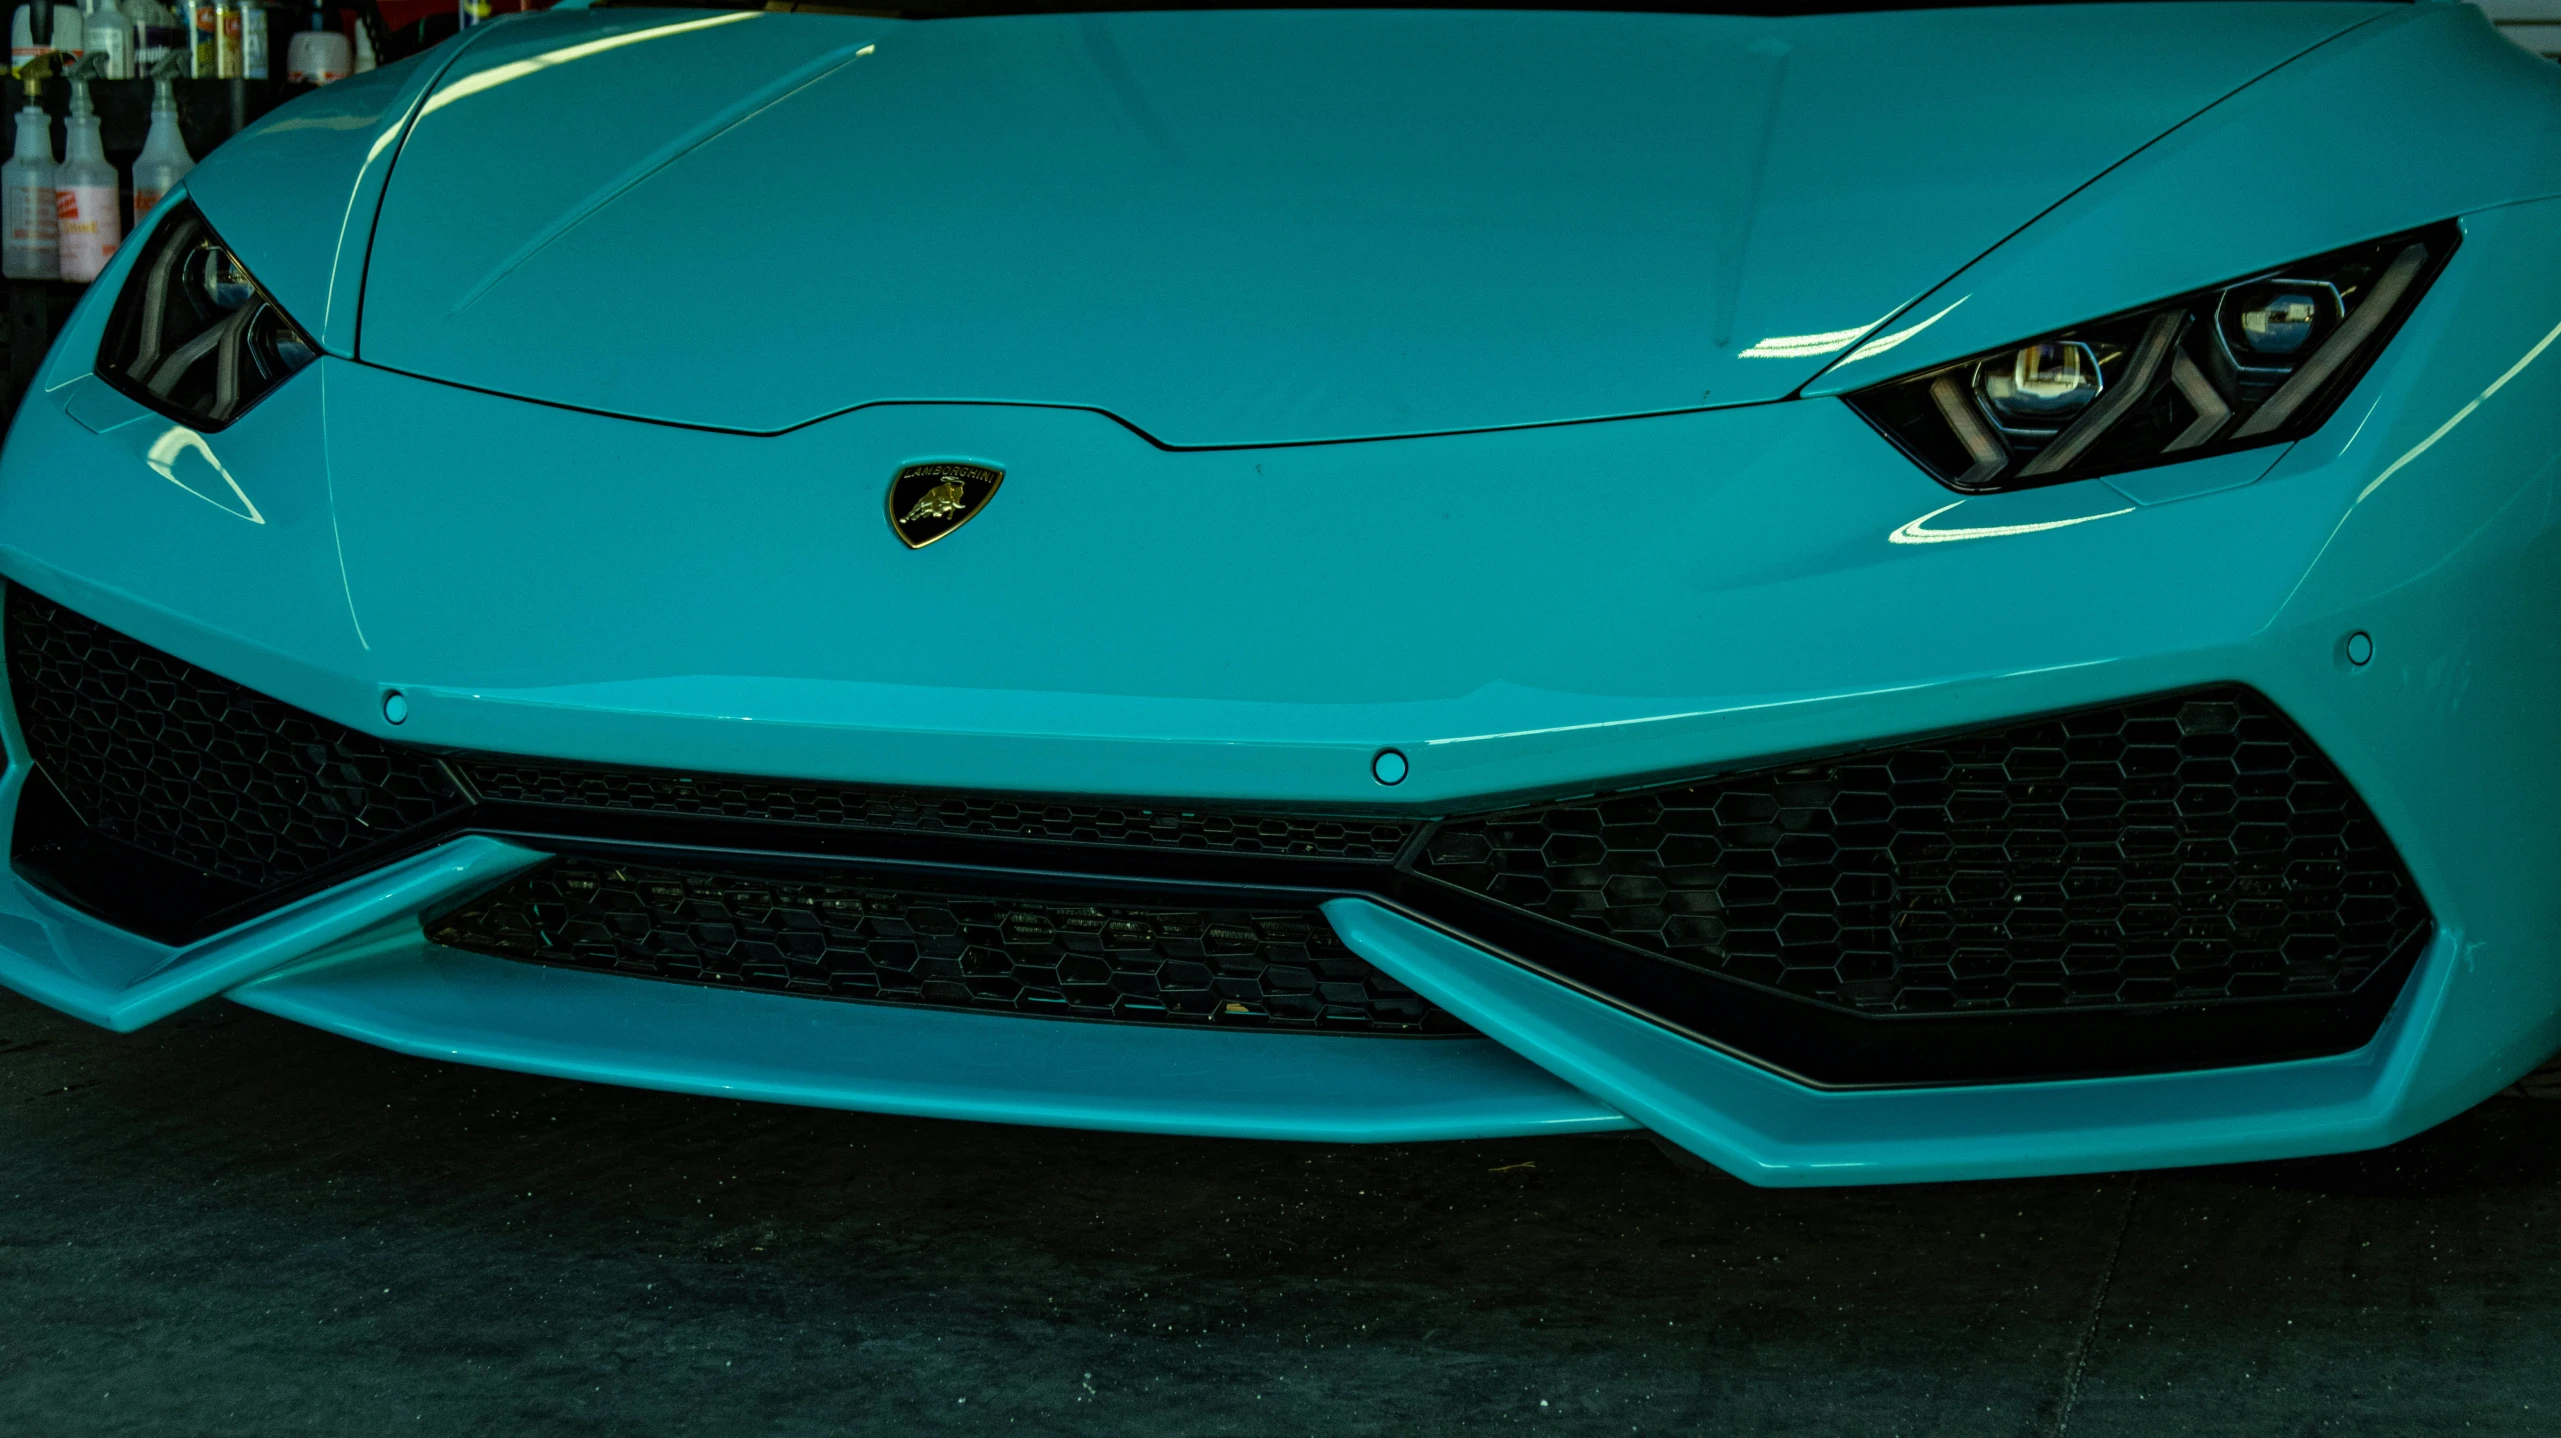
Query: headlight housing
point(193, 334)
point(2259, 361)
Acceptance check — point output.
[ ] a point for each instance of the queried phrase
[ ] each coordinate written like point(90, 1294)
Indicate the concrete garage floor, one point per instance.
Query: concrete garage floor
point(227, 1224)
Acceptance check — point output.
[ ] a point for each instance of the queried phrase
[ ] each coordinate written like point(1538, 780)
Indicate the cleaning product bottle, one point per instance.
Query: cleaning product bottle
point(227, 37)
point(32, 248)
point(106, 34)
point(253, 41)
point(157, 32)
point(25, 44)
point(204, 37)
point(90, 219)
point(320, 53)
point(164, 160)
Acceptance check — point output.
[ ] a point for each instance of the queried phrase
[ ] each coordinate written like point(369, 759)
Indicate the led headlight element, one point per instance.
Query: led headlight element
point(2260, 361)
point(2277, 318)
point(2040, 383)
point(193, 335)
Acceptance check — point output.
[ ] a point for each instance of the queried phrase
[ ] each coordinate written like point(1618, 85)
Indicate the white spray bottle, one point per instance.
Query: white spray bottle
point(30, 248)
point(319, 54)
point(66, 38)
point(105, 33)
point(91, 217)
point(164, 160)
point(157, 30)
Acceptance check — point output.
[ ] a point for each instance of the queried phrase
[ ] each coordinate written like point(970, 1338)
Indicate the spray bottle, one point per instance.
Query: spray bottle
point(164, 160)
point(203, 24)
point(157, 30)
point(320, 53)
point(105, 33)
point(91, 221)
point(45, 29)
point(255, 41)
point(30, 248)
point(226, 30)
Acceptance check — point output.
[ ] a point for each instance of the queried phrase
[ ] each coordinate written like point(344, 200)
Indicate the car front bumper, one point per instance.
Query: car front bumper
point(1523, 614)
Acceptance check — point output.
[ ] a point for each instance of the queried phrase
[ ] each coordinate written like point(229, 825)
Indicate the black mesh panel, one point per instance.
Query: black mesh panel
point(2167, 883)
point(848, 936)
point(2189, 849)
point(841, 806)
point(189, 767)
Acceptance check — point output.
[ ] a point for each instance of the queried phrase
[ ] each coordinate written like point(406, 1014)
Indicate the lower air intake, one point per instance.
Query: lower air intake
point(2190, 850)
point(847, 936)
point(1085, 822)
point(218, 790)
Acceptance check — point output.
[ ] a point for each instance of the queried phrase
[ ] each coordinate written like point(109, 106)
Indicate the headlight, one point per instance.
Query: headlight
point(192, 334)
point(2260, 361)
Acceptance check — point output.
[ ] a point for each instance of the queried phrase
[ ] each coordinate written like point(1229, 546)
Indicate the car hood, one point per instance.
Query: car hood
point(1242, 227)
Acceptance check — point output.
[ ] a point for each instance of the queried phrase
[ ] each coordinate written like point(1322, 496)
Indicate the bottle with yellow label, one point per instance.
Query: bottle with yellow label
point(204, 39)
point(226, 15)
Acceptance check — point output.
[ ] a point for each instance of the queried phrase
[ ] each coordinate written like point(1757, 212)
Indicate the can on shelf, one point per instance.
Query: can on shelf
point(227, 22)
point(204, 39)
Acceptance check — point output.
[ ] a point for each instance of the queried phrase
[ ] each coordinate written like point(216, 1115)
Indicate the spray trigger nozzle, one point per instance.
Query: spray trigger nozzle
point(34, 73)
point(92, 66)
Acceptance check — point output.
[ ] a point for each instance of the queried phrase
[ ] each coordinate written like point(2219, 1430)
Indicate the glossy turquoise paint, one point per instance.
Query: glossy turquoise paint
point(1548, 610)
point(403, 994)
point(61, 957)
point(1239, 226)
point(253, 499)
point(2423, 114)
point(354, 961)
point(299, 189)
point(1769, 1131)
point(616, 609)
point(623, 607)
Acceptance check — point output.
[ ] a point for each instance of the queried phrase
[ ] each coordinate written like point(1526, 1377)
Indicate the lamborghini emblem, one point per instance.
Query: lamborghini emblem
point(928, 501)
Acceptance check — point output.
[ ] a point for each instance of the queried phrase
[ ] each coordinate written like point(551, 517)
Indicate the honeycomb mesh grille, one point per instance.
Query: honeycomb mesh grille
point(855, 937)
point(184, 764)
point(516, 781)
point(2194, 848)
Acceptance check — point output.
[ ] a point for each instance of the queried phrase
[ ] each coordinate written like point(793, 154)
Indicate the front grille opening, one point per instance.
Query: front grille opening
point(879, 939)
point(187, 802)
point(219, 799)
point(499, 780)
point(2194, 849)
point(2169, 883)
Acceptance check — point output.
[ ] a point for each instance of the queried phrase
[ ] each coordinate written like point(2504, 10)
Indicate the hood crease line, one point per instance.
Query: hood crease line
point(748, 107)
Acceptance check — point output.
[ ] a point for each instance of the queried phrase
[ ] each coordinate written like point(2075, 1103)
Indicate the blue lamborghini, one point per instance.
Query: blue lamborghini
point(1886, 593)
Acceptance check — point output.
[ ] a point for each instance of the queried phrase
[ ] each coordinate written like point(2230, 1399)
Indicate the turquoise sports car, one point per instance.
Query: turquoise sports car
point(1885, 593)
